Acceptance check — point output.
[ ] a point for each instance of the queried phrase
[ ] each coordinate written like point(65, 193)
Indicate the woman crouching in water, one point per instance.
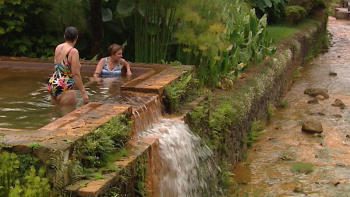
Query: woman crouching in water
point(112, 65)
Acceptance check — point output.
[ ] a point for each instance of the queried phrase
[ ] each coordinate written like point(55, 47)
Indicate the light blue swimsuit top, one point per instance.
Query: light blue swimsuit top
point(110, 73)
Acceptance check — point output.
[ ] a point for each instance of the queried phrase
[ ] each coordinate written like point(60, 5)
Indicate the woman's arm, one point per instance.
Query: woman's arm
point(99, 67)
point(125, 64)
point(75, 66)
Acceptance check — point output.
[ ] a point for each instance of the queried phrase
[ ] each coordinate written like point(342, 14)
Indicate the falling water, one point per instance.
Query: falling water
point(179, 163)
point(186, 163)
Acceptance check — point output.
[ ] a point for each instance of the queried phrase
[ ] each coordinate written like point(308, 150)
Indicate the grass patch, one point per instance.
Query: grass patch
point(300, 167)
point(281, 30)
point(283, 103)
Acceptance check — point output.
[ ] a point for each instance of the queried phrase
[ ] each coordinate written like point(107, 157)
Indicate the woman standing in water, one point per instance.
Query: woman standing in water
point(67, 73)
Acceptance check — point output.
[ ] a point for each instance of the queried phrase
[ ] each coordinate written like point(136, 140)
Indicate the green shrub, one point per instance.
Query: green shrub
point(20, 176)
point(319, 4)
point(309, 5)
point(294, 14)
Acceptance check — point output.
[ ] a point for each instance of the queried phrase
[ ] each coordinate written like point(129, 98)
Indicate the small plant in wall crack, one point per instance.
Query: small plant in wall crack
point(254, 133)
point(270, 110)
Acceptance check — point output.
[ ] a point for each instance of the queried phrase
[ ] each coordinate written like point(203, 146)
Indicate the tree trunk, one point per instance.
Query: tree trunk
point(96, 27)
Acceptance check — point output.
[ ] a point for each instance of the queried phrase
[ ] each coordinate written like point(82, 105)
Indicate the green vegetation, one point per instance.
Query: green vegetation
point(283, 103)
point(96, 148)
point(254, 133)
point(34, 145)
point(294, 14)
point(279, 31)
point(300, 167)
point(221, 44)
point(225, 178)
point(179, 91)
point(140, 172)
point(297, 72)
point(274, 9)
point(320, 42)
point(21, 177)
point(270, 110)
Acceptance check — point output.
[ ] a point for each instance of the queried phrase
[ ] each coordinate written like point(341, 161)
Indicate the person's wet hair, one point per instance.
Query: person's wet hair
point(71, 33)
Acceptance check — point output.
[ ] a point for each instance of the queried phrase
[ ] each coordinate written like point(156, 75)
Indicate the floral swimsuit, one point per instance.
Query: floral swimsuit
point(62, 79)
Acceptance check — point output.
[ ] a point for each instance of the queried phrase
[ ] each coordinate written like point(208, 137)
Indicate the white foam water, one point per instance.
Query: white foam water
point(185, 162)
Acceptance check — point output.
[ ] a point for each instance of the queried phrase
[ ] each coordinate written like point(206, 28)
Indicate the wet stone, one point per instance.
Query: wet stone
point(320, 97)
point(311, 125)
point(339, 103)
point(313, 101)
point(317, 91)
point(337, 115)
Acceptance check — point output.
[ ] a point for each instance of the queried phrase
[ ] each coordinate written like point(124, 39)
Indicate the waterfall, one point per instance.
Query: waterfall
point(179, 163)
point(185, 166)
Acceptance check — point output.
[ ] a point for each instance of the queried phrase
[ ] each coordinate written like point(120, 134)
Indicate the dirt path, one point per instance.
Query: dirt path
point(271, 167)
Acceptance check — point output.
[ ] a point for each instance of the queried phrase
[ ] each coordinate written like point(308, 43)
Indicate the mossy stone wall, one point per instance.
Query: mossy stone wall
point(266, 88)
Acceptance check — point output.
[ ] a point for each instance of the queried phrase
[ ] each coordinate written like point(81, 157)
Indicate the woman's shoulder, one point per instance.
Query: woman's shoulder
point(103, 59)
point(122, 61)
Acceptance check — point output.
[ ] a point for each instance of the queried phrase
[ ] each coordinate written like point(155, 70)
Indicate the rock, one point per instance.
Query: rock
point(339, 103)
point(337, 115)
point(311, 125)
point(320, 97)
point(317, 91)
point(340, 164)
point(313, 101)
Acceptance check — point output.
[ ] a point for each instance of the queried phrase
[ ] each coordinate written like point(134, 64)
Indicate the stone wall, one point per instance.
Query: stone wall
point(270, 85)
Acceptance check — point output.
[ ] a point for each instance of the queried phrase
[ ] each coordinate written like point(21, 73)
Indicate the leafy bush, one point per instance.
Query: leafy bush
point(294, 14)
point(21, 28)
point(20, 176)
point(274, 9)
point(309, 5)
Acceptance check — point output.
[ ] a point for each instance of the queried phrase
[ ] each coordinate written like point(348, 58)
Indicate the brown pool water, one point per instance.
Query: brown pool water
point(24, 99)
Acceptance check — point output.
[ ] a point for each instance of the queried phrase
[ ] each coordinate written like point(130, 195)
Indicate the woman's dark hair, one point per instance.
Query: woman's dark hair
point(71, 33)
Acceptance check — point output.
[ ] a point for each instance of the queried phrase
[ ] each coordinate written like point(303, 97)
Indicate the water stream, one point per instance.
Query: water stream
point(269, 169)
point(181, 164)
point(186, 164)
